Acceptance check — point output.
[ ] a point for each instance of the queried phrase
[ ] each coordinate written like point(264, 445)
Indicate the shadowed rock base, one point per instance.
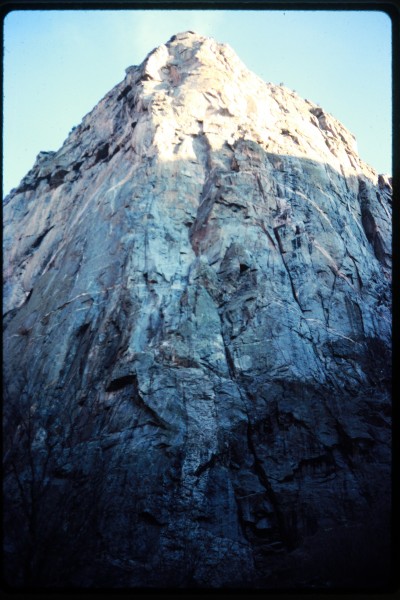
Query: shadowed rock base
point(198, 341)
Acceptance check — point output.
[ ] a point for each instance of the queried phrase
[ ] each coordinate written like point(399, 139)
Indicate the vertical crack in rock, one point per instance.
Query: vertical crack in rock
point(270, 492)
point(281, 251)
point(171, 418)
point(371, 220)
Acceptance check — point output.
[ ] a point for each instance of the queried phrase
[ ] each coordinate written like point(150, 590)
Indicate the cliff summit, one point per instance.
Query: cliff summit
point(197, 341)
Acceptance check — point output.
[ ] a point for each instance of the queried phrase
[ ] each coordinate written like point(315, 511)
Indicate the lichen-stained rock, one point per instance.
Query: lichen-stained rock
point(197, 341)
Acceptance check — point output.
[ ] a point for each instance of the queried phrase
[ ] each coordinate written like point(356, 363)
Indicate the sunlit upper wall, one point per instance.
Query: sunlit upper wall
point(58, 64)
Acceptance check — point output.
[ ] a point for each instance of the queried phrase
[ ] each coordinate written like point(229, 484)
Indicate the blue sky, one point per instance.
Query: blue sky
point(59, 64)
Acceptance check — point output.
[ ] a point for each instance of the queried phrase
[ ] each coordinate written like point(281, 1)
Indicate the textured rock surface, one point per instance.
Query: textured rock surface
point(197, 340)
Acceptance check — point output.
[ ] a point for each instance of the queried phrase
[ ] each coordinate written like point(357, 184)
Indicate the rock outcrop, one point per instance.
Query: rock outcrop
point(197, 341)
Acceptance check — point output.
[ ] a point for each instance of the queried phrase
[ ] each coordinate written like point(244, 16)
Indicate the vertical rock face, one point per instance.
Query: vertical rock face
point(197, 341)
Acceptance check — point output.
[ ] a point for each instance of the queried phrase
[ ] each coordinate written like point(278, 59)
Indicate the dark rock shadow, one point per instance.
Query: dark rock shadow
point(221, 422)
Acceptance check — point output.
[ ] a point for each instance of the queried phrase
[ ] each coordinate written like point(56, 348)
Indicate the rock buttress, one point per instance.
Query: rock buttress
point(197, 341)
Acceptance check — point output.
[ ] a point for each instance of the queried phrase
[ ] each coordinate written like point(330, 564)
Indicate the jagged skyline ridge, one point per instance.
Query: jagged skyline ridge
point(321, 74)
point(198, 330)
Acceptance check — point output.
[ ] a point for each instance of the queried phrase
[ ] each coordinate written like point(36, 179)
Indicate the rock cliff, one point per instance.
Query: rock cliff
point(197, 341)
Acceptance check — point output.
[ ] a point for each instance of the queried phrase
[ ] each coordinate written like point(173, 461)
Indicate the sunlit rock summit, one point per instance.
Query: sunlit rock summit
point(197, 341)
